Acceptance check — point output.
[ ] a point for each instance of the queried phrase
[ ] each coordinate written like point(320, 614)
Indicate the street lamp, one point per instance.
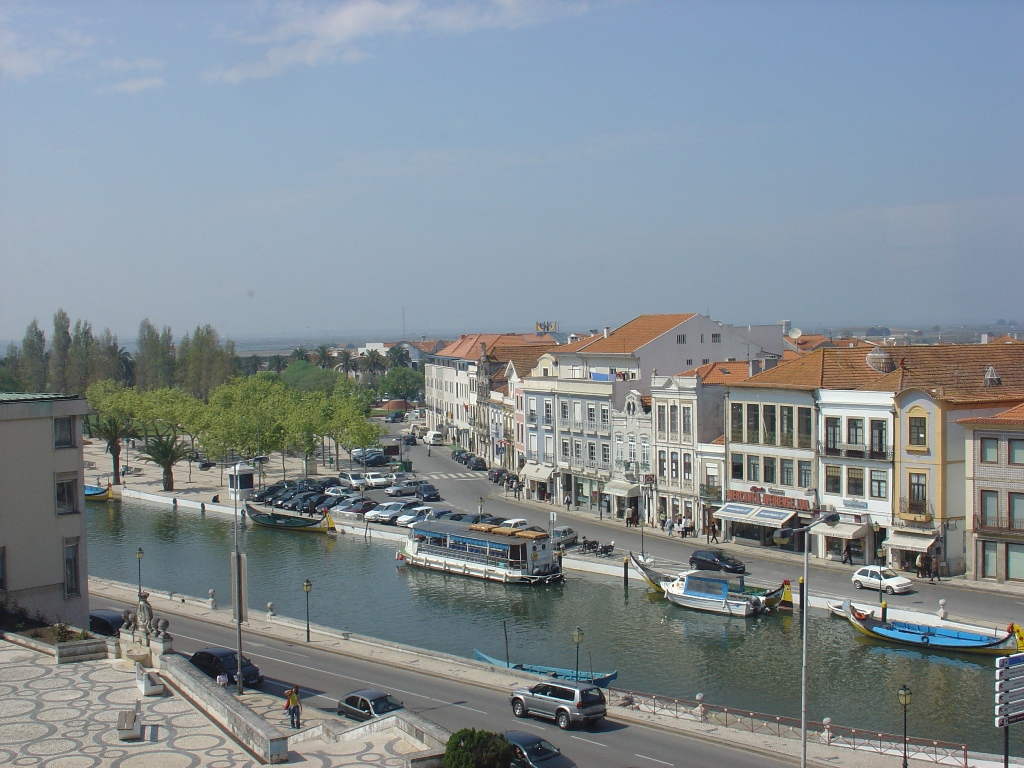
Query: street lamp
point(236, 559)
point(878, 559)
point(904, 694)
point(480, 506)
point(307, 585)
point(138, 556)
point(782, 536)
point(577, 637)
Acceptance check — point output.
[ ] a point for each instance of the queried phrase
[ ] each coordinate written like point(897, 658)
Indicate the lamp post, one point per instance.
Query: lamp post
point(781, 536)
point(878, 559)
point(904, 695)
point(237, 560)
point(307, 585)
point(138, 556)
point(577, 637)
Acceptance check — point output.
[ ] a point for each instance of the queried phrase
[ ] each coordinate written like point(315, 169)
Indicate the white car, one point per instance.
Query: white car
point(415, 515)
point(389, 512)
point(563, 536)
point(516, 523)
point(869, 577)
point(337, 490)
point(377, 480)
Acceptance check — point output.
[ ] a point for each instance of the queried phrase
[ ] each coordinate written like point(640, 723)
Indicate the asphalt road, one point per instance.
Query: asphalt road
point(325, 677)
point(824, 581)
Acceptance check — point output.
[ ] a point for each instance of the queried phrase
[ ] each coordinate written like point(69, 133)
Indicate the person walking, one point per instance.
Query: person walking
point(568, 502)
point(714, 531)
point(934, 574)
point(671, 526)
point(847, 555)
point(920, 565)
point(428, 450)
point(293, 705)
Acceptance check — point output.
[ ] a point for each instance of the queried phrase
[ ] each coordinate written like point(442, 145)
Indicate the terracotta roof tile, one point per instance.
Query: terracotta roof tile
point(720, 440)
point(1005, 339)
point(1014, 417)
point(628, 338)
point(468, 346)
point(730, 372)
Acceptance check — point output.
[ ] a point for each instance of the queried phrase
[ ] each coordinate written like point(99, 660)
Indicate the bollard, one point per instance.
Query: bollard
point(885, 610)
point(942, 609)
point(700, 707)
point(213, 600)
point(625, 572)
point(827, 722)
point(803, 605)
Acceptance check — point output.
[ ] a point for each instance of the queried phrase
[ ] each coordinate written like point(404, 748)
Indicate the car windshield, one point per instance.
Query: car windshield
point(540, 750)
point(591, 696)
point(888, 573)
point(725, 557)
point(385, 704)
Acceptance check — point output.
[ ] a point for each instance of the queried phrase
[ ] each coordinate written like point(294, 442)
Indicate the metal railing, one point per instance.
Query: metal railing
point(825, 732)
point(917, 507)
point(855, 450)
point(1001, 523)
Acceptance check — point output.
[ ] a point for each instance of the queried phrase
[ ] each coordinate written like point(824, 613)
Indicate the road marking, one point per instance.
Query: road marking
point(589, 741)
point(652, 759)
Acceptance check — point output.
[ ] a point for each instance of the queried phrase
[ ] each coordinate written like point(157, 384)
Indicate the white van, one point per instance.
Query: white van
point(433, 438)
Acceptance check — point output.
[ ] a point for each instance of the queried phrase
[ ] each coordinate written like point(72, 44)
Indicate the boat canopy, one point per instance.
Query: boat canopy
point(464, 534)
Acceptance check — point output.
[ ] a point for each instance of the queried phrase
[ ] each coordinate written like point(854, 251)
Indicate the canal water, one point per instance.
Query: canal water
point(751, 664)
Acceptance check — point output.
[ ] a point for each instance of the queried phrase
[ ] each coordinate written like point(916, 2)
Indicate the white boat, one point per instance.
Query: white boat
point(483, 552)
point(697, 590)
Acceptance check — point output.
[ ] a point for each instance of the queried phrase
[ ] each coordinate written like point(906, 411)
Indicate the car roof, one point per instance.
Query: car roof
point(522, 738)
point(105, 613)
point(367, 693)
point(219, 652)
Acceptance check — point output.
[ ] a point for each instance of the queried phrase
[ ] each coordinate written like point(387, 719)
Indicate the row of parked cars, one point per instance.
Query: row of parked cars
point(465, 457)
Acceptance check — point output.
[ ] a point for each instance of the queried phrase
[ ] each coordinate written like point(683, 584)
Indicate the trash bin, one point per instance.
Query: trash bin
point(407, 466)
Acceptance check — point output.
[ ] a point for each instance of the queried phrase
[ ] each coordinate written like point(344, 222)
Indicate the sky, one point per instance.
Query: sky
point(288, 168)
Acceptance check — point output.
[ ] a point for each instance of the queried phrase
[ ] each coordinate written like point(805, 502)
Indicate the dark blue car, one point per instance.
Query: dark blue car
point(213, 661)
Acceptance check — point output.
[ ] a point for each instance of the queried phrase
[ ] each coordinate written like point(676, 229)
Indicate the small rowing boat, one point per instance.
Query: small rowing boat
point(655, 579)
point(290, 521)
point(600, 679)
point(701, 592)
point(98, 493)
point(968, 639)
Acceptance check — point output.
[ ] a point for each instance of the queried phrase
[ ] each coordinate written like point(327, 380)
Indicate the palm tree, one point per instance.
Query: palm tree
point(373, 362)
point(276, 363)
point(346, 362)
point(114, 429)
point(299, 353)
point(398, 357)
point(321, 356)
point(165, 451)
point(126, 367)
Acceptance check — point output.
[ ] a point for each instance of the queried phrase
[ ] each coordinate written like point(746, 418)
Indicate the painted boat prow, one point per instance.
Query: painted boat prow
point(600, 679)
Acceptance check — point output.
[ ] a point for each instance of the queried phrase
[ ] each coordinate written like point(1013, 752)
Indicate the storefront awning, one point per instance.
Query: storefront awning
point(537, 472)
point(844, 530)
point(767, 517)
point(622, 488)
point(910, 542)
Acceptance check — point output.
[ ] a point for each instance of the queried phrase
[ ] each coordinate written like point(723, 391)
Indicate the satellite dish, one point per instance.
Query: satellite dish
point(796, 333)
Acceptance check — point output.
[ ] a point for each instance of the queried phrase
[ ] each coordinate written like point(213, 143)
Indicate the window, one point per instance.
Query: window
point(879, 443)
point(592, 452)
point(67, 493)
point(737, 466)
point(988, 560)
point(563, 408)
point(577, 449)
point(565, 450)
point(689, 362)
point(918, 430)
point(833, 480)
point(1015, 451)
point(674, 464)
point(618, 448)
point(786, 471)
point(754, 468)
point(769, 470)
point(753, 423)
point(661, 464)
point(531, 414)
point(547, 411)
point(72, 583)
point(768, 415)
point(803, 427)
point(605, 453)
point(855, 431)
point(879, 484)
point(918, 502)
point(64, 432)
point(804, 468)
point(680, 338)
point(632, 447)
point(687, 467)
point(604, 414)
point(990, 450)
point(736, 422)
point(591, 413)
point(673, 419)
point(833, 433)
point(645, 452)
point(716, 338)
point(1016, 506)
point(855, 481)
point(989, 504)
point(687, 420)
point(705, 361)
point(786, 425)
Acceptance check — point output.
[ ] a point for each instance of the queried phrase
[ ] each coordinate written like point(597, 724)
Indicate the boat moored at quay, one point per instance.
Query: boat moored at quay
point(483, 552)
point(271, 517)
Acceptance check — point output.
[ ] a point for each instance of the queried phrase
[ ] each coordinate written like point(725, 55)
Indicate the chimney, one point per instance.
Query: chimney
point(770, 362)
point(753, 367)
point(607, 331)
point(984, 338)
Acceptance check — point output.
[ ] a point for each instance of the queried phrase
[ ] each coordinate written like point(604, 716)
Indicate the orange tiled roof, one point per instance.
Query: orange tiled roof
point(524, 357)
point(825, 368)
point(720, 440)
point(721, 372)
point(812, 341)
point(790, 354)
point(1014, 417)
point(1005, 339)
point(426, 345)
point(628, 338)
point(468, 346)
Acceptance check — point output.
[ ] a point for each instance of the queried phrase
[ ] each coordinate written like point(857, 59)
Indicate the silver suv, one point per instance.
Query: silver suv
point(405, 487)
point(565, 702)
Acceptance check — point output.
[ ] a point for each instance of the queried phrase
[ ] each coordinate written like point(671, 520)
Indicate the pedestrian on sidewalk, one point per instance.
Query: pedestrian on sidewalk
point(920, 565)
point(568, 502)
point(926, 565)
point(671, 526)
point(935, 570)
point(428, 450)
point(847, 554)
point(293, 705)
point(714, 531)
point(662, 520)
point(222, 679)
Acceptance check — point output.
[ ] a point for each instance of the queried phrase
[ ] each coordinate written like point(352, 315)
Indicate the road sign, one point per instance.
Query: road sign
point(1009, 690)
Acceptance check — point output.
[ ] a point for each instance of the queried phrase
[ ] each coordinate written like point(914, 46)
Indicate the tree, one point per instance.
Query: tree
point(116, 408)
point(398, 357)
point(165, 451)
point(10, 370)
point(126, 367)
point(155, 358)
point(276, 363)
point(321, 356)
point(300, 353)
point(401, 384)
point(33, 358)
point(203, 362)
point(60, 348)
point(347, 362)
point(80, 358)
point(470, 748)
point(372, 362)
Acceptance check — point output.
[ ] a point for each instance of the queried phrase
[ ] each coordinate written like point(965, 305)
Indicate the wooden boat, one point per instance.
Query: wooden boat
point(98, 493)
point(655, 579)
point(836, 609)
point(287, 520)
point(600, 679)
point(947, 638)
point(697, 590)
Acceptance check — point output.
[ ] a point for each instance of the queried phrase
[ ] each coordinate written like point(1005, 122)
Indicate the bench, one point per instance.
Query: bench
point(149, 684)
point(129, 723)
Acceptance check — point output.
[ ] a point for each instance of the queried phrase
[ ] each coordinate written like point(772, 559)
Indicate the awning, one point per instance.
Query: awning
point(537, 472)
point(767, 517)
point(910, 542)
point(844, 530)
point(622, 488)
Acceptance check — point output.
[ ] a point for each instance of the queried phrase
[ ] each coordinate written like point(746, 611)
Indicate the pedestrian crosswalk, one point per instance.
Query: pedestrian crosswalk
point(452, 475)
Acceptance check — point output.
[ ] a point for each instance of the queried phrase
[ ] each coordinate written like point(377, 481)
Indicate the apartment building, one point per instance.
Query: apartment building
point(43, 561)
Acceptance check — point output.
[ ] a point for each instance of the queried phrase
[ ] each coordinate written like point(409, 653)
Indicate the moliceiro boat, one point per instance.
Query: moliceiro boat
point(483, 551)
point(291, 521)
point(945, 638)
point(600, 679)
point(98, 493)
point(771, 597)
point(697, 590)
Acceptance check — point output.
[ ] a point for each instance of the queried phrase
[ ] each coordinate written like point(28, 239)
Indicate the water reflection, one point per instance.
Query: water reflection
point(657, 647)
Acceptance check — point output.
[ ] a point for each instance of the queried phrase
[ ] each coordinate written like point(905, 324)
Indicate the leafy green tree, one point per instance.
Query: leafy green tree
point(204, 363)
point(300, 353)
point(247, 415)
point(126, 367)
point(105, 361)
point(155, 359)
point(470, 748)
point(307, 421)
point(60, 348)
point(400, 383)
point(112, 430)
point(10, 370)
point(398, 357)
point(80, 357)
point(306, 377)
point(165, 451)
point(33, 358)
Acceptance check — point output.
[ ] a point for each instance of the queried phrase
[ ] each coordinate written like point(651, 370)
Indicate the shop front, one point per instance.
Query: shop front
point(750, 524)
point(537, 481)
point(851, 535)
point(904, 546)
point(625, 498)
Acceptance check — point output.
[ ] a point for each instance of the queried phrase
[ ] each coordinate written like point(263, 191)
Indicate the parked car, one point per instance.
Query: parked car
point(427, 492)
point(389, 512)
point(338, 490)
point(374, 460)
point(405, 487)
point(459, 517)
point(490, 520)
point(358, 453)
point(283, 498)
point(213, 661)
point(565, 702)
point(367, 704)
point(433, 438)
point(395, 477)
point(869, 577)
point(298, 501)
point(563, 536)
point(409, 439)
point(331, 502)
point(517, 523)
point(476, 463)
point(105, 621)
point(440, 514)
point(716, 560)
point(458, 453)
point(272, 490)
point(466, 458)
point(377, 480)
point(414, 515)
point(352, 479)
point(497, 474)
point(395, 417)
point(534, 752)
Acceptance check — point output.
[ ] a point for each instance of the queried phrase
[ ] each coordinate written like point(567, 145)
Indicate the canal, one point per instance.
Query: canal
point(749, 664)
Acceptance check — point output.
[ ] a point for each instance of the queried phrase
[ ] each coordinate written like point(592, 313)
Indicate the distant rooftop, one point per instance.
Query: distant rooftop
point(29, 397)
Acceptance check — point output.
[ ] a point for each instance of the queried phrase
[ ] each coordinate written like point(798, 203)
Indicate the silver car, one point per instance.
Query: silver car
point(565, 702)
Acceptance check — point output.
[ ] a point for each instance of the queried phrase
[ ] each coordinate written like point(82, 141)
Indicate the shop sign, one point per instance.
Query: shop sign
point(767, 500)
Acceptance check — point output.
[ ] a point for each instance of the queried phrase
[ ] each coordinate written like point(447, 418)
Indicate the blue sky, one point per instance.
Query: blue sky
point(282, 168)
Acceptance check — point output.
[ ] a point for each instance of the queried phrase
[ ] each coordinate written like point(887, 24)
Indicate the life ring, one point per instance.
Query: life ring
point(924, 640)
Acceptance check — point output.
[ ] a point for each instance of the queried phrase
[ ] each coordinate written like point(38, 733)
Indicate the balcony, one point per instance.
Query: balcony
point(548, 421)
point(998, 524)
point(531, 418)
point(547, 458)
point(916, 510)
point(855, 450)
point(532, 455)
